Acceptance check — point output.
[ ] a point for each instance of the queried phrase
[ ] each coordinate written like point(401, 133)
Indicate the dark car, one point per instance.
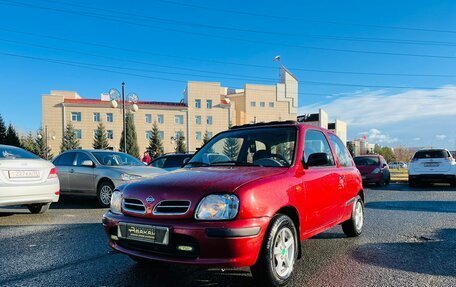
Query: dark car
point(248, 197)
point(373, 169)
point(170, 161)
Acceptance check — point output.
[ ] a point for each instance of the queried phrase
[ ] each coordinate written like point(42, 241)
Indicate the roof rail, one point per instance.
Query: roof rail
point(261, 124)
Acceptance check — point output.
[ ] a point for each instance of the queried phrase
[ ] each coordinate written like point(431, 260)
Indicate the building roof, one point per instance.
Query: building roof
point(100, 102)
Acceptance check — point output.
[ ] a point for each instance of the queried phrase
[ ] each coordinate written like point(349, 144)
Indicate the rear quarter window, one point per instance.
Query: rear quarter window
point(7, 152)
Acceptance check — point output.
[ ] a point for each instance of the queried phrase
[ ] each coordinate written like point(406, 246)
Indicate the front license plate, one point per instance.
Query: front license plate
point(23, 174)
point(145, 233)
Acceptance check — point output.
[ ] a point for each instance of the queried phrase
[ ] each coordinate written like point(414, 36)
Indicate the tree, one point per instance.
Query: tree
point(206, 137)
point(100, 140)
point(2, 131)
point(155, 142)
point(41, 148)
point(28, 142)
point(69, 140)
point(132, 140)
point(402, 153)
point(351, 148)
point(180, 143)
point(11, 136)
point(385, 151)
point(231, 148)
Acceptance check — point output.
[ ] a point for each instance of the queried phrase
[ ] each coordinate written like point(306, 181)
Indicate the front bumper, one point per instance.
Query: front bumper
point(215, 244)
point(433, 178)
point(372, 178)
point(23, 194)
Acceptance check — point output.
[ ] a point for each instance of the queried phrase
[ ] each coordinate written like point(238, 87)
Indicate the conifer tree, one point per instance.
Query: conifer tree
point(100, 140)
point(132, 140)
point(41, 148)
point(28, 142)
point(2, 131)
point(180, 143)
point(69, 140)
point(155, 141)
point(11, 136)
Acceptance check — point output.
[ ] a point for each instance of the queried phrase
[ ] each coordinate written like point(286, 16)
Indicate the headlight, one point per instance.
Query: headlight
point(116, 202)
point(128, 177)
point(377, 170)
point(217, 207)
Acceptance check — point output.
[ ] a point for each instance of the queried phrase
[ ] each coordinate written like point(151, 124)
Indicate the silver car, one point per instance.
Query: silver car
point(98, 172)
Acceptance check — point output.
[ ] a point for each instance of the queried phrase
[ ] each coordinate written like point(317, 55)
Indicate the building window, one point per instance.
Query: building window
point(209, 104)
point(271, 104)
point(179, 119)
point(148, 135)
point(161, 119)
point(109, 117)
point(253, 104)
point(209, 135)
point(198, 104)
point(179, 134)
point(110, 134)
point(96, 117)
point(262, 105)
point(75, 116)
point(209, 120)
point(148, 118)
point(198, 136)
point(162, 135)
point(198, 120)
point(78, 134)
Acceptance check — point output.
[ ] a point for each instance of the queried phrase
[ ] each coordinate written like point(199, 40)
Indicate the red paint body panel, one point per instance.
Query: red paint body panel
point(322, 197)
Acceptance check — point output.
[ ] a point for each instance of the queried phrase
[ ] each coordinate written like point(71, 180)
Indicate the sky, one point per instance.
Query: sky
point(385, 67)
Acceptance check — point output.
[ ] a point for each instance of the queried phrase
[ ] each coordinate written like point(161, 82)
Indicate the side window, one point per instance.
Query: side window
point(174, 161)
point(158, 162)
point(65, 159)
point(341, 151)
point(315, 142)
point(81, 157)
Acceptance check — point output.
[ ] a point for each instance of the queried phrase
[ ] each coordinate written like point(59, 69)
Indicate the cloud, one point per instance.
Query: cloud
point(376, 136)
point(381, 107)
point(440, 137)
point(416, 139)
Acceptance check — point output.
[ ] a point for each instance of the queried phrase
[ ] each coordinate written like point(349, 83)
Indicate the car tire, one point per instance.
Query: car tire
point(381, 183)
point(353, 227)
point(387, 182)
point(280, 247)
point(412, 182)
point(38, 208)
point(104, 193)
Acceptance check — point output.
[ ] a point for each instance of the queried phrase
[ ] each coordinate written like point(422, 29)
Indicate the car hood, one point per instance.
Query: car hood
point(193, 183)
point(144, 171)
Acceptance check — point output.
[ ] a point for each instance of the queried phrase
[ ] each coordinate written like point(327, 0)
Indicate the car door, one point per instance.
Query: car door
point(348, 180)
point(64, 164)
point(82, 179)
point(321, 184)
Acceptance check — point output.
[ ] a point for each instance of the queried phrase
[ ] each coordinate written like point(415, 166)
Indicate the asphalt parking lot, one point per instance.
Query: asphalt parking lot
point(409, 240)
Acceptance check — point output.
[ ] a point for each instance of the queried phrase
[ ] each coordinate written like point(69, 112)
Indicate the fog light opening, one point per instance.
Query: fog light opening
point(185, 248)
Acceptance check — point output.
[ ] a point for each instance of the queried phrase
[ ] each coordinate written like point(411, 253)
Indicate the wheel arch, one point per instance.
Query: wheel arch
point(293, 213)
point(102, 180)
point(362, 195)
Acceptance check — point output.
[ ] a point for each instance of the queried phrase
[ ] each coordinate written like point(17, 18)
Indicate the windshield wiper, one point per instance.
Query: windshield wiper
point(196, 163)
point(233, 162)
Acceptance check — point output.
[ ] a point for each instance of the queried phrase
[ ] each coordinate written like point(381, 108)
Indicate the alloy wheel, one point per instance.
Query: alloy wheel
point(284, 253)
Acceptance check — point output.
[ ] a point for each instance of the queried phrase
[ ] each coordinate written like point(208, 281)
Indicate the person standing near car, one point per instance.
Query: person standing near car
point(146, 158)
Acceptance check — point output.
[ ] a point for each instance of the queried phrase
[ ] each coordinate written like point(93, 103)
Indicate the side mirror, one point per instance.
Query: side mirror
point(88, 163)
point(184, 162)
point(317, 159)
point(385, 165)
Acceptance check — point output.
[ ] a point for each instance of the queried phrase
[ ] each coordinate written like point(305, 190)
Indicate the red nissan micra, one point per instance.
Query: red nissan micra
point(249, 197)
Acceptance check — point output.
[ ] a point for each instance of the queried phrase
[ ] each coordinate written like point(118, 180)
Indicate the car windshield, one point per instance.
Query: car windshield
point(432, 154)
point(7, 152)
point(116, 159)
point(363, 161)
point(266, 146)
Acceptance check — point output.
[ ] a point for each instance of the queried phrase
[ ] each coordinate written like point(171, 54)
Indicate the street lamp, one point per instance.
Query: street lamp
point(132, 98)
point(46, 138)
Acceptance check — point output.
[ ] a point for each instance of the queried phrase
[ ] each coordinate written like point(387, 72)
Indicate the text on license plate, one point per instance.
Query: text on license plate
point(145, 233)
point(24, 174)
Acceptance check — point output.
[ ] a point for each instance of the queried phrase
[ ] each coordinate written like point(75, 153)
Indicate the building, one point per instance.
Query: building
point(321, 119)
point(361, 146)
point(206, 106)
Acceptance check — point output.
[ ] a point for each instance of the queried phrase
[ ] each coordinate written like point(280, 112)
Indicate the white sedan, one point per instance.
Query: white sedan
point(27, 180)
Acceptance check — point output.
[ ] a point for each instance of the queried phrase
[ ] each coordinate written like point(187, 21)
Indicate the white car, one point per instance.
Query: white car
point(432, 166)
point(27, 180)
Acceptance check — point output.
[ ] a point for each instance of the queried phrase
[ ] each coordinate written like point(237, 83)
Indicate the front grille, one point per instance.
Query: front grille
point(133, 205)
point(172, 207)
